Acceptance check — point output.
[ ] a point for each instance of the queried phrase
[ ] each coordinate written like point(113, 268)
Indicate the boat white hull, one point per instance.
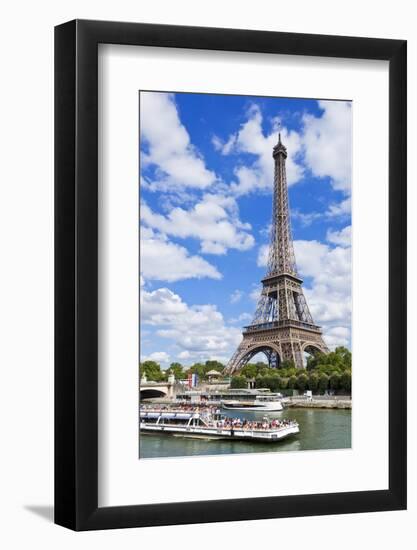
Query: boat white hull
point(267, 407)
point(222, 433)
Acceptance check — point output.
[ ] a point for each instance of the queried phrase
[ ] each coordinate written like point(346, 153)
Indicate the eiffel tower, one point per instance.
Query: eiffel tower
point(282, 328)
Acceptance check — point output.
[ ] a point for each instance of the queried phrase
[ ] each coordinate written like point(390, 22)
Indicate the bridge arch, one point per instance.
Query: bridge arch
point(149, 393)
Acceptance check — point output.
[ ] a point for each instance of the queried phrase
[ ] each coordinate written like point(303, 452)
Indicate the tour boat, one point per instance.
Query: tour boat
point(213, 425)
point(260, 403)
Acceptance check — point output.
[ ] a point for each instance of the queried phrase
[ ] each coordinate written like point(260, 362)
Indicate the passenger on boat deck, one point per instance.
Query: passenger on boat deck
point(225, 422)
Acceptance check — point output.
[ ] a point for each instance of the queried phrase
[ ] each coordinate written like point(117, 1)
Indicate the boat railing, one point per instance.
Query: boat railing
point(210, 420)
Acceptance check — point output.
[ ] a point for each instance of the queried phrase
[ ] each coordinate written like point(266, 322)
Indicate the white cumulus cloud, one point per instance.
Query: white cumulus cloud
point(214, 221)
point(168, 147)
point(255, 293)
point(329, 293)
point(262, 260)
point(342, 237)
point(236, 296)
point(338, 210)
point(337, 336)
point(327, 141)
point(163, 260)
point(342, 208)
point(250, 138)
point(224, 147)
point(242, 318)
point(158, 356)
point(198, 331)
point(323, 145)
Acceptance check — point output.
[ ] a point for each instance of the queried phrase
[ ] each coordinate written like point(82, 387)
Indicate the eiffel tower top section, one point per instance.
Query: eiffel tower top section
point(279, 148)
point(281, 259)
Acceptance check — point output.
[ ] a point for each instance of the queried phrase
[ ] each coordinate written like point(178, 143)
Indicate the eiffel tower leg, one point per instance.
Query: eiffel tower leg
point(298, 355)
point(291, 351)
point(287, 354)
point(274, 360)
point(239, 359)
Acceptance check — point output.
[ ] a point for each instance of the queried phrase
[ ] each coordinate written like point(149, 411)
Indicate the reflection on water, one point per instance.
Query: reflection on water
point(319, 429)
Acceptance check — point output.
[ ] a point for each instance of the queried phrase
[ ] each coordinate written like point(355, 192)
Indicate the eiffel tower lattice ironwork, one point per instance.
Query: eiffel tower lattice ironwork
point(282, 327)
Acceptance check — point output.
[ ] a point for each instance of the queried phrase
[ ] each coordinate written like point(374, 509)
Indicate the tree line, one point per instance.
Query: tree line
point(331, 371)
point(153, 370)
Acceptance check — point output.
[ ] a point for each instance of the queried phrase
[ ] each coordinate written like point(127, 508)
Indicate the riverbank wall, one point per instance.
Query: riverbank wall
point(318, 403)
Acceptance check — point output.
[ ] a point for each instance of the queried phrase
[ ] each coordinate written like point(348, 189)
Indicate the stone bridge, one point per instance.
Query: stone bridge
point(150, 389)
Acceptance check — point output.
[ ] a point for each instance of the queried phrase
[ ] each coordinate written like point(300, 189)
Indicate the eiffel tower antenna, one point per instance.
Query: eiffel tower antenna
point(282, 327)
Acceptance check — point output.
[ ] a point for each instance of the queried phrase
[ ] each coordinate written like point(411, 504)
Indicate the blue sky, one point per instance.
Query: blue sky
point(206, 172)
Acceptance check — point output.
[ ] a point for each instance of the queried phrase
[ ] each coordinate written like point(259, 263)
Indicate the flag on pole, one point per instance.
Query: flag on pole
point(192, 380)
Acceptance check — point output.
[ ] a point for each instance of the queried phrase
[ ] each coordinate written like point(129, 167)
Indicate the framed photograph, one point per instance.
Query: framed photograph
point(230, 337)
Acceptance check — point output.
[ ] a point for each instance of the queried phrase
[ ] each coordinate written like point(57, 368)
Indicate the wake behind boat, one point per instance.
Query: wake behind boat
point(211, 424)
point(260, 403)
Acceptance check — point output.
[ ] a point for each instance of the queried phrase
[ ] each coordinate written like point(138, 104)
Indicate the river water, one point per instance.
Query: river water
point(319, 429)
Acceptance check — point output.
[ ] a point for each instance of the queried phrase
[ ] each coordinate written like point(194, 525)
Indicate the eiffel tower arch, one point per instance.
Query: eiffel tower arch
point(282, 327)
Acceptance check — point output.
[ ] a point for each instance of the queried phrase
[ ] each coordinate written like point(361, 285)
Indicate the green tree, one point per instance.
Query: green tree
point(283, 383)
point(249, 371)
point(327, 368)
point(270, 372)
point(346, 381)
point(338, 360)
point(302, 382)
point(152, 371)
point(313, 382)
point(259, 382)
point(334, 381)
point(279, 382)
point(202, 369)
point(311, 362)
point(346, 356)
point(323, 382)
point(292, 382)
point(213, 365)
point(177, 370)
point(264, 371)
point(287, 364)
point(199, 369)
point(287, 372)
point(271, 382)
point(238, 382)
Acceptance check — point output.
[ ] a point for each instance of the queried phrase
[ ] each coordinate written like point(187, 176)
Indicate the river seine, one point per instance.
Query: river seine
point(319, 429)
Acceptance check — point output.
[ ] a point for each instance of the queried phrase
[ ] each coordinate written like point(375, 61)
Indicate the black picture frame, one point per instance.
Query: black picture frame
point(76, 272)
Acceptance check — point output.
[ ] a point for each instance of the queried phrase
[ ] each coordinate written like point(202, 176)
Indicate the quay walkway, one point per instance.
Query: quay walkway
point(331, 402)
